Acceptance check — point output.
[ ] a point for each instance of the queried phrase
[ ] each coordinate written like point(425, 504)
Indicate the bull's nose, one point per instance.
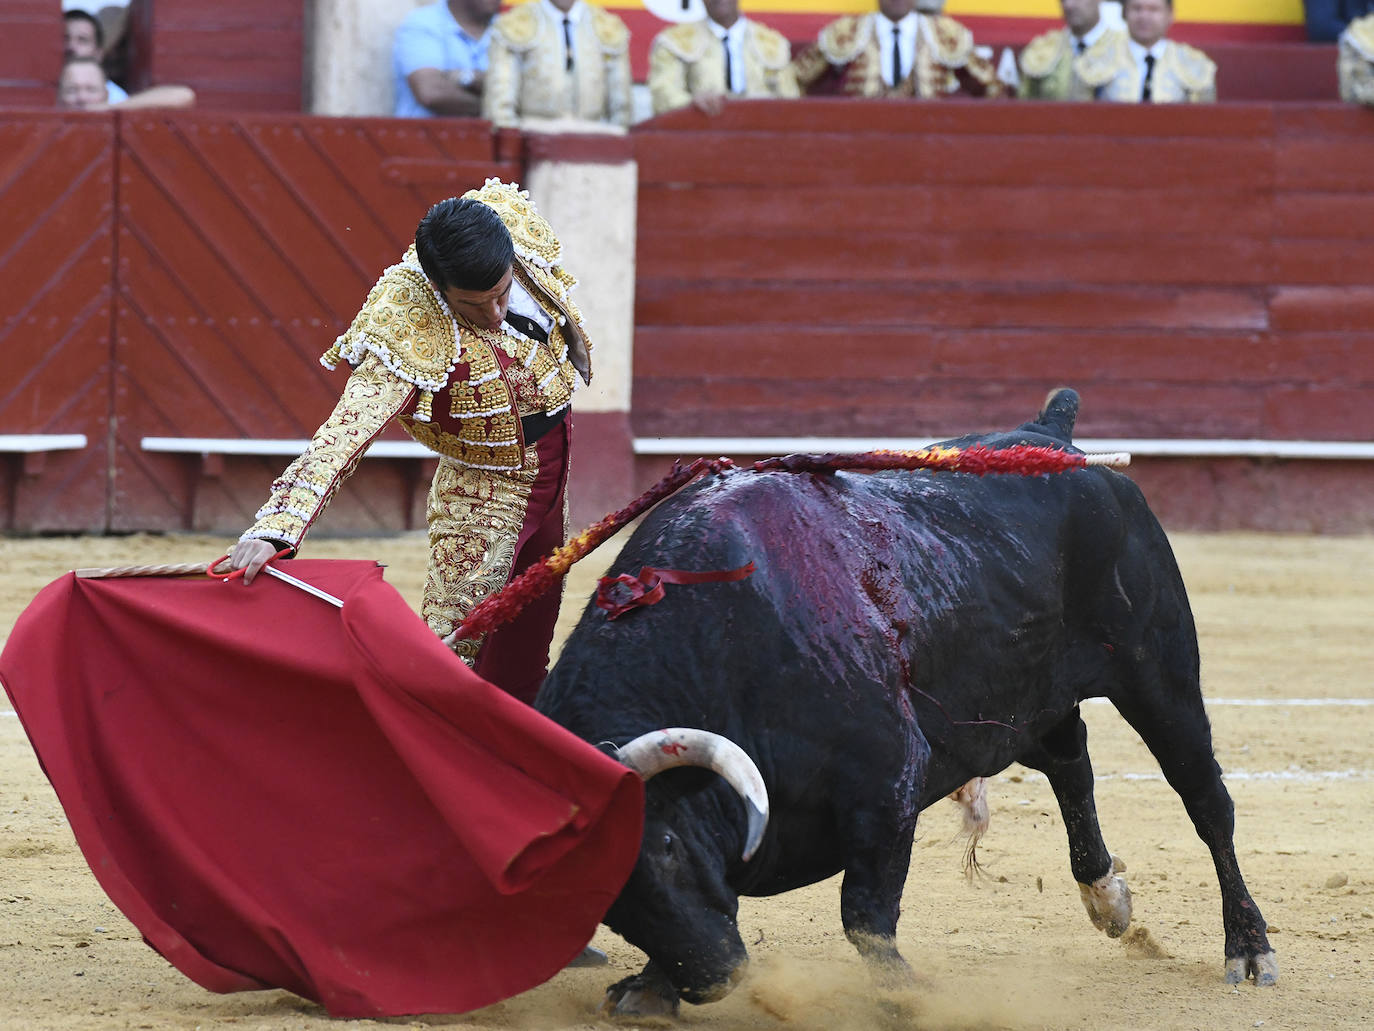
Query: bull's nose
point(719, 990)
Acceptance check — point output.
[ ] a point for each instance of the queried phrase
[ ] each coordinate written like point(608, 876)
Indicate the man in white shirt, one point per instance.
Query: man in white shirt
point(1145, 66)
point(722, 55)
point(558, 59)
point(1047, 61)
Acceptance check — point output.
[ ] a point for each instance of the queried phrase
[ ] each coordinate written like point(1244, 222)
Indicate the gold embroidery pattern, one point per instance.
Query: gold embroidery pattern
point(371, 397)
point(474, 520)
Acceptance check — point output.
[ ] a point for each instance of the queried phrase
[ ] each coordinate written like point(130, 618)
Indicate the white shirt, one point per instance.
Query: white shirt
point(574, 15)
point(733, 38)
point(1138, 52)
point(1090, 37)
point(523, 304)
point(905, 31)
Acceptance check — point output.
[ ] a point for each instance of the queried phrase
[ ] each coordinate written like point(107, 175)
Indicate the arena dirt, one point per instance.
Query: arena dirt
point(1280, 618)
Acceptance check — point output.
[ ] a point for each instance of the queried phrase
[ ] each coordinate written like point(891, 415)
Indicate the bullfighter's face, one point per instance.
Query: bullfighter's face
point(895, 10)
point(1081, 15)
point(1148, 21)
point(484, 309)
point(723, 12)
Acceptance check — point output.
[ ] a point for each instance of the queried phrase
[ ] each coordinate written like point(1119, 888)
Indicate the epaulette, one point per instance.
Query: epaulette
point(1103, 63)
point(687, 41)
point(530, 232)
point(404, 325)
point(1360, 35)
point(845, 38)
point(953, 42)
point(519, 26)
point(1042, 54)
point(1195, 69)
point(770, 46)
point(611, 32)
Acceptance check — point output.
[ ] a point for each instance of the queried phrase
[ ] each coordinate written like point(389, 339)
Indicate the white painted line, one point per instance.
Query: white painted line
point(1270, 703)
point(35, 442)
point(1152, 447)
point(250, 446)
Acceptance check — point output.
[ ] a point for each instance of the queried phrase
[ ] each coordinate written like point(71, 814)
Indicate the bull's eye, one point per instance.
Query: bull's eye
point(667, 844)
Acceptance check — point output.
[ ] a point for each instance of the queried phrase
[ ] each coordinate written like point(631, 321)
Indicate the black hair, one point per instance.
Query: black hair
point(78, 15)
point(463, 243)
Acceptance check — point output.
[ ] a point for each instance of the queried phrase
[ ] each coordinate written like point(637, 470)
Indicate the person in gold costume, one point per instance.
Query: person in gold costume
point(723, 55)
point(1047, 60)
point(906, 48)
point(1144, 66)
point(1356, 61)
point(473, 345)
point(558, 59)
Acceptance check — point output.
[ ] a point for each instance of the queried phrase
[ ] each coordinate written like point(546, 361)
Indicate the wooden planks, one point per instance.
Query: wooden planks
point(911, 269)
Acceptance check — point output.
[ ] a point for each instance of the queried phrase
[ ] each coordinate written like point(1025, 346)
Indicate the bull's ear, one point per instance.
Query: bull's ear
point(661, 750)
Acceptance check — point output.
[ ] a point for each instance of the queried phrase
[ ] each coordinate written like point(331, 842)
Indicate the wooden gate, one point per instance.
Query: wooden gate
point(56, 233)
point(177, 275)
point(246, 245)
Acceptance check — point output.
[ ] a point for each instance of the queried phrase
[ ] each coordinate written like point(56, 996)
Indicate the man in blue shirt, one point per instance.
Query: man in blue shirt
point(440, 58)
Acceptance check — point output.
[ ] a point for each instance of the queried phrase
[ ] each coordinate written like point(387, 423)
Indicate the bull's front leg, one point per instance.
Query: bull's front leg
point(877, 860)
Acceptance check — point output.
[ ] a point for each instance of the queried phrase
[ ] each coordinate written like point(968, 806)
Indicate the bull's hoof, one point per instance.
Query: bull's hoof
point(639, 996)
point(1264, 968)
point(1108, 901)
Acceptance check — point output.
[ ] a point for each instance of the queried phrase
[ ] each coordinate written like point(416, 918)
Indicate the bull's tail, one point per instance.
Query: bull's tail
point(1058, 414)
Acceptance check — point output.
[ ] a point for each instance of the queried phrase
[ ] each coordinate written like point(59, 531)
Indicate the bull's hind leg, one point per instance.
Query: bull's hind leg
point(1062, 756)
point(1175, 728)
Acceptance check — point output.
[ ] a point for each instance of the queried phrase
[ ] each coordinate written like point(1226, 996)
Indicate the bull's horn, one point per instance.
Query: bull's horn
point(660, 750)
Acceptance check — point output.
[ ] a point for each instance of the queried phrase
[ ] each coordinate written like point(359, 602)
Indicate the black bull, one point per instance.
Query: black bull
point(903, 633)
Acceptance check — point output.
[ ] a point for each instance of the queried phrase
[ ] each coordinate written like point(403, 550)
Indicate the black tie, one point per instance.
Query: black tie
point(1149, 74)
point(567, 40)
point(896, 57)
point(529, 327)
point(1081, 46)
point(729, 72)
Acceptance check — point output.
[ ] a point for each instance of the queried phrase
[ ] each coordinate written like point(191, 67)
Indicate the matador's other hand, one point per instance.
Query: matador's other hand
point(250, 556)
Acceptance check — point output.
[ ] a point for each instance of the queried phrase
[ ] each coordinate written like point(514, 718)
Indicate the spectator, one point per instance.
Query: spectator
point(83, 37)
point(1047, 61)
point(897, 51)
point(722, 55)
point(1327, 19)
point(558, 59)
point(81, 87)
point(440, 58)
point(1144, 66)
point(1357, 61)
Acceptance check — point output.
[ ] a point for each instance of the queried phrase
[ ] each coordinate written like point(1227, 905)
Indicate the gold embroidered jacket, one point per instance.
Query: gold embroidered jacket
point(456, 389)
point(527, 76)
point(845, 59)
point(1183, 74)
point(1356, 62)
point(1047, 64)
point(688, 60)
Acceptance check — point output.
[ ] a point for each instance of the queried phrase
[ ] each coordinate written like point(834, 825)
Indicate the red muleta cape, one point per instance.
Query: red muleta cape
point(277, 793)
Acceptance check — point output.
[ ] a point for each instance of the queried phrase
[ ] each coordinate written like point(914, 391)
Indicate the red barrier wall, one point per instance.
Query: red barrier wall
point(179, 274)
point(832, 267)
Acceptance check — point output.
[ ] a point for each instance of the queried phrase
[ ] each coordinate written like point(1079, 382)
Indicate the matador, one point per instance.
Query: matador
point(473, 345)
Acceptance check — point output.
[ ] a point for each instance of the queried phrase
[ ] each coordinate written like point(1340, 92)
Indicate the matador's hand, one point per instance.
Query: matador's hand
point(250, 556)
